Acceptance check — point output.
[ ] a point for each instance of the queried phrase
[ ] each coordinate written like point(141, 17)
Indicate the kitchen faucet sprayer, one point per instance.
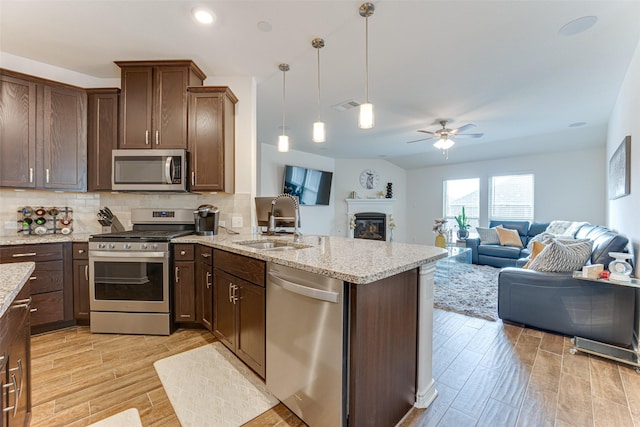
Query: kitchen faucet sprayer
point(297, 236)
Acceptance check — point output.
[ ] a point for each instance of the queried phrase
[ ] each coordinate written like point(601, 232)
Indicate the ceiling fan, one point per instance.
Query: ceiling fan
point(445, 136)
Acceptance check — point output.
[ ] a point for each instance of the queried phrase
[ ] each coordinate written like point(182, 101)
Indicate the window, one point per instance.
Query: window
point(511, 197)
point(459, 193)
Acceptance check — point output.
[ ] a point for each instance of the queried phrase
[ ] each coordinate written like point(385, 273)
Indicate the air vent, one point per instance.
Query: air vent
point(346, 105)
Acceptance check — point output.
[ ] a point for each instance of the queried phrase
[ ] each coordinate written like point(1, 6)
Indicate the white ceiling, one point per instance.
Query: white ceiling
point(501, 65)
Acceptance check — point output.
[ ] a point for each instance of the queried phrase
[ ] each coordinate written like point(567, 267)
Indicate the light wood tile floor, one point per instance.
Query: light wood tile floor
point(487, 374)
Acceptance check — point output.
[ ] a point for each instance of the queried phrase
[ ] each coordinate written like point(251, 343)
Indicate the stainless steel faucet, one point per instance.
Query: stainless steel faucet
point(271, 230)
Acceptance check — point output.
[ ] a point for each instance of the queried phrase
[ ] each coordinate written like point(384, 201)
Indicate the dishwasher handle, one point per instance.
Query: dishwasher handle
point(304, 290)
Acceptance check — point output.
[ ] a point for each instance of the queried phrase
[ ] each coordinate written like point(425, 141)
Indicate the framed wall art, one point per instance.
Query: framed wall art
point(620, 170)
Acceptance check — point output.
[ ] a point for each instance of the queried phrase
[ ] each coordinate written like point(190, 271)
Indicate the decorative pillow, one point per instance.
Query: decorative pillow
point(539, 238)
point(573, 228)
point(488, 236)
point(537, 248)
point(509, 237)
point(558, 227)
point(559, 257)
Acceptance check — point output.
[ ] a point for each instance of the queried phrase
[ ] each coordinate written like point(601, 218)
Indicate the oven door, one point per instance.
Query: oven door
point(129, 281)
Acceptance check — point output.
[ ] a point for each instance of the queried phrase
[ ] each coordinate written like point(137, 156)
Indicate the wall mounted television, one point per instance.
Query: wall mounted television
point(313, 187)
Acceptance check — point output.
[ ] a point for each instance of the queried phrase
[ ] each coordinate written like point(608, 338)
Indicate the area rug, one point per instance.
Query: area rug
point(128, 418)
point(467, 289)
point(209, 386)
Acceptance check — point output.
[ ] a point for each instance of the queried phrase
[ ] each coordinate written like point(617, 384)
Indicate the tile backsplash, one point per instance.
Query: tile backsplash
point(86, 205)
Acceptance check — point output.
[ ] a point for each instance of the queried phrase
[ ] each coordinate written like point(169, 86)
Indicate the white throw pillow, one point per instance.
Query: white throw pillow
point(558, 227)
point(573, 228)
point(488, 236)
point(562, 256)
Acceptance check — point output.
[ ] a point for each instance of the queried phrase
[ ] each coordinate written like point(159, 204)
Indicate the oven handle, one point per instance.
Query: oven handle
point(129, 256)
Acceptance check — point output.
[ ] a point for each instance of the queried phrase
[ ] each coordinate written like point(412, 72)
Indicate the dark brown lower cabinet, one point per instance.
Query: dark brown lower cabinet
point(184, 291)
point(81, 309)
point(204, 285)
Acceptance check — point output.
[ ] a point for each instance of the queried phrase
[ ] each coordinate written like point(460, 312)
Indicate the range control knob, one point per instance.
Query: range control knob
point(127, 245)
point(101, 245)
point(143, 246)
point(112, 245)
point(154, 246)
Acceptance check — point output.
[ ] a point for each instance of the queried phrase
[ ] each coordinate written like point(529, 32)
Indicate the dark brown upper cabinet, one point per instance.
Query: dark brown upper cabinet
point(212, 138)
point(43, 134)
point(154, 104)
point(102, 136)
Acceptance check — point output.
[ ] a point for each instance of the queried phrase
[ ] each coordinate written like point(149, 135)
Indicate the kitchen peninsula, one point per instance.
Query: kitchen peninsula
point(390, 313)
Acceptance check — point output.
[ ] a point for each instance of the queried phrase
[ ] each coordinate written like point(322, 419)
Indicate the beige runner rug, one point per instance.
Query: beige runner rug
point(209, 386)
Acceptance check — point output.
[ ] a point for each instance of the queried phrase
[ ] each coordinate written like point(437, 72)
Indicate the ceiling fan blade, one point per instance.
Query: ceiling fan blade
point(426, 131)
point(421, 139)
point(463, 128)
point(468, 135)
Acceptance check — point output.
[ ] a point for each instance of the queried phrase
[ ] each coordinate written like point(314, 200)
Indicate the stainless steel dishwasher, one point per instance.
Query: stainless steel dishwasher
point(306, 358)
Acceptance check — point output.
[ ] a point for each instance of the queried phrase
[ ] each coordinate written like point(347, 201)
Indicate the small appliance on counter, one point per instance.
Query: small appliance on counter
point(206, 220)
point(41, 221)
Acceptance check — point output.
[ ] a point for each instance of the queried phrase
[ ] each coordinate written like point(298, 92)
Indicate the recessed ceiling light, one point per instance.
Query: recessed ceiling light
point(577, 124)
point(203, 15)
point(578, 25)
point(264, 26)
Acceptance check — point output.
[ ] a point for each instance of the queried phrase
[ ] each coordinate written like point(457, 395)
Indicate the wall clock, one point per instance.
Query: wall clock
point(369, 179)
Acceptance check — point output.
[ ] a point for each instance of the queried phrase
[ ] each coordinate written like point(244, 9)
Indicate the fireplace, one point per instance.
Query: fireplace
point(370, 225)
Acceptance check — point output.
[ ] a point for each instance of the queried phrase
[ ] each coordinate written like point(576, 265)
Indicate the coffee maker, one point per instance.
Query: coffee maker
point(206, 220)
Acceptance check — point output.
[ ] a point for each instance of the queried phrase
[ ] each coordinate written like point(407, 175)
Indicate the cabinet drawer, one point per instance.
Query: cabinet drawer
point(40, 252)
point(48, 276)
point(49, 307)
point(80, 251)
point(204, 254)
point(241, 266)
point(183, 252)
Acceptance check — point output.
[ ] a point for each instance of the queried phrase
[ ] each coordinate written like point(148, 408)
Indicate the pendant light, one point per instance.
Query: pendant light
point(283, 140)
point(319, 134)
point(365, 119)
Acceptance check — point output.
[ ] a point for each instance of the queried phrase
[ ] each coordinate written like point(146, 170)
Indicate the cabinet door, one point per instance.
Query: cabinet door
point(102, 136)
point(212, 138)
point(251, 326)
point(224, 311)
point(136, 105)
point(170, 107)
point(17, 132)
point(19, 367)
point(81, 309)
point(65, 138)
point(184, 291)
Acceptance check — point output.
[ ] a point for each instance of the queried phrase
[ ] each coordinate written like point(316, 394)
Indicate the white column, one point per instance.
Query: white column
point(426, 392)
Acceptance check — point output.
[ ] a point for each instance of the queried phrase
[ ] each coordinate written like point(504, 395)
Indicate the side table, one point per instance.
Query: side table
point(608, 351)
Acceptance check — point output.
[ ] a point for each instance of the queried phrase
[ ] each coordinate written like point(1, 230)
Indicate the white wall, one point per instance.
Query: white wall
point(314, 219)
point(622, 213)
point(347, 179)
point(568, 186)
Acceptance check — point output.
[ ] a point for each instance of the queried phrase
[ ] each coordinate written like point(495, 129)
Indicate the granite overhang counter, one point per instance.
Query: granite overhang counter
point(357, 261)
point(12, 278)
point(46, 238)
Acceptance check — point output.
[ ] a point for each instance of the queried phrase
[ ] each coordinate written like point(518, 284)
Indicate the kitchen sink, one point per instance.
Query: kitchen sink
point(272, 245)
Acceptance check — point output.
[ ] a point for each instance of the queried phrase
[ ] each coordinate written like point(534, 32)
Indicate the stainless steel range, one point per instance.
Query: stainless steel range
point(129, 273)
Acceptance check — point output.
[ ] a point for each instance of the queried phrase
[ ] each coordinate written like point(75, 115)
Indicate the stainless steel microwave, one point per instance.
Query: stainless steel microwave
point(149, 170)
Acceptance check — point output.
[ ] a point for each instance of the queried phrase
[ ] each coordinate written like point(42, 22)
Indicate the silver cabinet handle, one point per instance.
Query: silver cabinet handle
point(146, 137)
point(230, 292)
point(81, 251)
point(30, 175)
point(234, 295)
point(183, 253)
point(157, 137)
point(177, 274)
point(13, 383)
point(206, 255)
point(20, 372)
point(86, 272)
point(193, 178)
point(207, 279)
point(3, 359)
point(33, 278)
point(33, 310)
point(24, 254)
point(47, 172)
point(23, 303)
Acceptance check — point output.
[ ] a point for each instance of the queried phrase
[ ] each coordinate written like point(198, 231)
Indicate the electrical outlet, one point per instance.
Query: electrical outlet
point(11, 225)
point(222, 223)
point(236, 221)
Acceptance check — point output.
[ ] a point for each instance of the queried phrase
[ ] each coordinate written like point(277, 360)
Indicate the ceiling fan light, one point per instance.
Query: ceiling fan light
point(283, 143)
point(365, 119)
point(447, 143)
point(319, 134)
point(203, 15)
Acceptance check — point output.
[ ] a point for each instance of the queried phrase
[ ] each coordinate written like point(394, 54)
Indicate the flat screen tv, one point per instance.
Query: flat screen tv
point(313, 187)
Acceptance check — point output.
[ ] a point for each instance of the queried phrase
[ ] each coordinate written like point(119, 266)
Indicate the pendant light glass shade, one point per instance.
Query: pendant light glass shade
point(365, 119)
point(283, 140)
point(319, 134)
point(444, 144)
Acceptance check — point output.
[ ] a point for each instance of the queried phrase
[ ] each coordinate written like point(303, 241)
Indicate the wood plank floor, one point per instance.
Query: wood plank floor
point(487, 374)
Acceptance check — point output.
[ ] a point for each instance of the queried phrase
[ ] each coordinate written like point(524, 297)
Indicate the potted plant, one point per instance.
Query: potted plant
point(463, 225)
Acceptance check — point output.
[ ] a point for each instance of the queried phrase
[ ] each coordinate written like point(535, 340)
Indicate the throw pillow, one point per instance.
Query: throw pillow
point(537, 248)
point(573, 228)
point(559, 257)
point(539, 238)
point(509, 237)
point(558, 227)
point(488, 236)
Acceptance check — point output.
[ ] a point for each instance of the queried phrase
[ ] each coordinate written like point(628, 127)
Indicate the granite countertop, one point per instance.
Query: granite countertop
point(13, 276)
point(20, 239)
point(354, 260)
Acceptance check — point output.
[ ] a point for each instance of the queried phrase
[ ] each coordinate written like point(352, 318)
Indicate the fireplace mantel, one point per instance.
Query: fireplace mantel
point(355, 206)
